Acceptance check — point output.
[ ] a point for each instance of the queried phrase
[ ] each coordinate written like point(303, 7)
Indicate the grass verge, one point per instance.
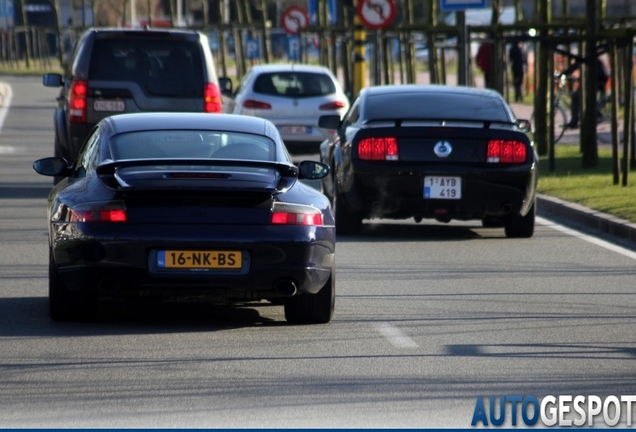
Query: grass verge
point(590, 187)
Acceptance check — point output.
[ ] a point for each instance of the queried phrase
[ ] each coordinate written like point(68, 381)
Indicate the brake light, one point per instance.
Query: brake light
point(98, 215)
point(332, 106)
point(378, 149)
point(211, 98)
point(251, 103)
point(506, 151)
point(296, 214)
point(77, 102)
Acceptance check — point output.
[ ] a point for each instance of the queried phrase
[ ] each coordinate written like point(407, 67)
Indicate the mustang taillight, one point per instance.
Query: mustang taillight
point(98, 215)
point(251, 103)
point(296, 214)
point(378, 149)
point(506, 151)
point(332, 106)
point(211, 98)
point(77, 102)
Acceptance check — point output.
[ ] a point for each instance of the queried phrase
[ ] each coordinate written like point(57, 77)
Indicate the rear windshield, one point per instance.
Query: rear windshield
point(442, 106)
point(191, 144)
point(169, 68)
point(294, 84)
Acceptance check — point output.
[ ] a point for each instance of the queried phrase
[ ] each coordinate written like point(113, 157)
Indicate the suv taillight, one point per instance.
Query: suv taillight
point(77, 102)
point(506, 151)
point(211, 98)
point(378, 149)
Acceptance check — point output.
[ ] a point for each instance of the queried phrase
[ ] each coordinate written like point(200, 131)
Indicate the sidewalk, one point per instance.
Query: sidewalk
point(576, 215)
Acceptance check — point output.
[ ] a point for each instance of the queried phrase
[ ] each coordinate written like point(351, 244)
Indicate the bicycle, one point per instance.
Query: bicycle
point(561, 107)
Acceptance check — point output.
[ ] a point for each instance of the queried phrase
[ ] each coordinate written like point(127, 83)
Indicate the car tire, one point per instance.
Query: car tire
point(347, 222)
point(65, 305)
point(517, 226)
point(312, 308)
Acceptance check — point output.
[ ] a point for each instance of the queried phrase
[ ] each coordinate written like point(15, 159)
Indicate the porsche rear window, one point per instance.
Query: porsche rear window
point(191, 144)
point(446, 106)
point(294, 84)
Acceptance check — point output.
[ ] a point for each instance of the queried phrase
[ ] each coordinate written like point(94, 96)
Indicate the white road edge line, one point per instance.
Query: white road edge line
point(7, 96)
point(395, 336)
point(587, 238)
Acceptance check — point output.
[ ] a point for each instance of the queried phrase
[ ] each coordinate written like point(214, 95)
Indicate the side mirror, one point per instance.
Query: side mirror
point(52, 80)
point(225, 85)
point(331, 121)
point(524, 125)
point(52, 167)
point(312, 170)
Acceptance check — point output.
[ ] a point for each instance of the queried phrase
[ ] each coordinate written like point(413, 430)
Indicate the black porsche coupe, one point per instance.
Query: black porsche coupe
point(187, 205)
point(430, 151)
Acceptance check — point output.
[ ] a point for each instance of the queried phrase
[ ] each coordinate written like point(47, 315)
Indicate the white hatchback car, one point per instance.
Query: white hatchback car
point(293, 97)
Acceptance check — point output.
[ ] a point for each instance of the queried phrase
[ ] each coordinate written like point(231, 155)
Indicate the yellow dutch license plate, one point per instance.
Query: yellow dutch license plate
point(180, 259)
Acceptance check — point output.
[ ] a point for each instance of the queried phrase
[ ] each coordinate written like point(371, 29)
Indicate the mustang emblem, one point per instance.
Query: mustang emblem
point(443, 149)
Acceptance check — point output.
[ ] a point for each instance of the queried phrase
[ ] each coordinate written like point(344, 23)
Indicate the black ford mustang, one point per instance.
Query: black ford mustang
point(438, 152)
point(186, 205)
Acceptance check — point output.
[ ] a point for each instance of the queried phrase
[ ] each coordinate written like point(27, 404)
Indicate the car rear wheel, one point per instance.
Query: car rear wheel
point(312, 308)
point(347, 222)
point(65, 305)
point(517, 226)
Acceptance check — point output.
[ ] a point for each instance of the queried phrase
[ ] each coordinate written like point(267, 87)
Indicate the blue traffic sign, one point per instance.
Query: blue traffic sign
point(293, 48)
point(332, 12)
point(6, 8)
point(252, 49)
point(460, 5)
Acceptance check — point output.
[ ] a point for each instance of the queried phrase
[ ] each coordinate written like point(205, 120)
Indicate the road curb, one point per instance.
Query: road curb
point(578, 215)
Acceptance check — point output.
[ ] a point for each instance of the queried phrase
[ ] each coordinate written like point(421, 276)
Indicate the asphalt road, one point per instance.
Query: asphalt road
point(428, 318)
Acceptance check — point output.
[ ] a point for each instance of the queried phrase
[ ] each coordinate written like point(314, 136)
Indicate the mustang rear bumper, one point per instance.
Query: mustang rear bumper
point(400, 193)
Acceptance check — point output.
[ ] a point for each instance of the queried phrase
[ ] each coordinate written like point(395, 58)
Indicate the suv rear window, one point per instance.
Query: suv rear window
point(160, 67)
point(294, 84)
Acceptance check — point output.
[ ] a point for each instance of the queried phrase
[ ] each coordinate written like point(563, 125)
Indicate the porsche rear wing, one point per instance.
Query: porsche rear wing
point(197, 174)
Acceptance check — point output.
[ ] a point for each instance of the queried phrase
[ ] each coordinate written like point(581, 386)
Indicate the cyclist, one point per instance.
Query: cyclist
point(602, 78)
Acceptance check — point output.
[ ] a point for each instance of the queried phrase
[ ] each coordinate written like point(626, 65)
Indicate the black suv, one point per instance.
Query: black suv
point(114, 70)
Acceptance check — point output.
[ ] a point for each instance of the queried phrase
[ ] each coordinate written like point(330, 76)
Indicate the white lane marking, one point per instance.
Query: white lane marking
point(8, 149)
point(7, 96)
point(395, 336)
point(587, 238)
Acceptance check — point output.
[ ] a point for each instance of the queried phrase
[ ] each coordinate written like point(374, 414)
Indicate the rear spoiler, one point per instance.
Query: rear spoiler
point(485, 124)
point(165, 177)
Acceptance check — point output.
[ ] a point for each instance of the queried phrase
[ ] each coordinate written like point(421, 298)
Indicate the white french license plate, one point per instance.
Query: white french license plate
point(109, 105)
point(295, 130)
point(442, 187)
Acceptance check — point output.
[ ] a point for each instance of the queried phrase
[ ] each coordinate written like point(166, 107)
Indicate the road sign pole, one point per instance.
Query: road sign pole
point(359, 45)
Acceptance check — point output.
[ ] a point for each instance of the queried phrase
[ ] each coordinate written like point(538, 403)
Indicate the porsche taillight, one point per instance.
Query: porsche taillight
point(506, 151)
point(211, 98)
point(97, 214)
point(378, 149)
point(77, 102)
point(296, 214)
point(254, 104)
